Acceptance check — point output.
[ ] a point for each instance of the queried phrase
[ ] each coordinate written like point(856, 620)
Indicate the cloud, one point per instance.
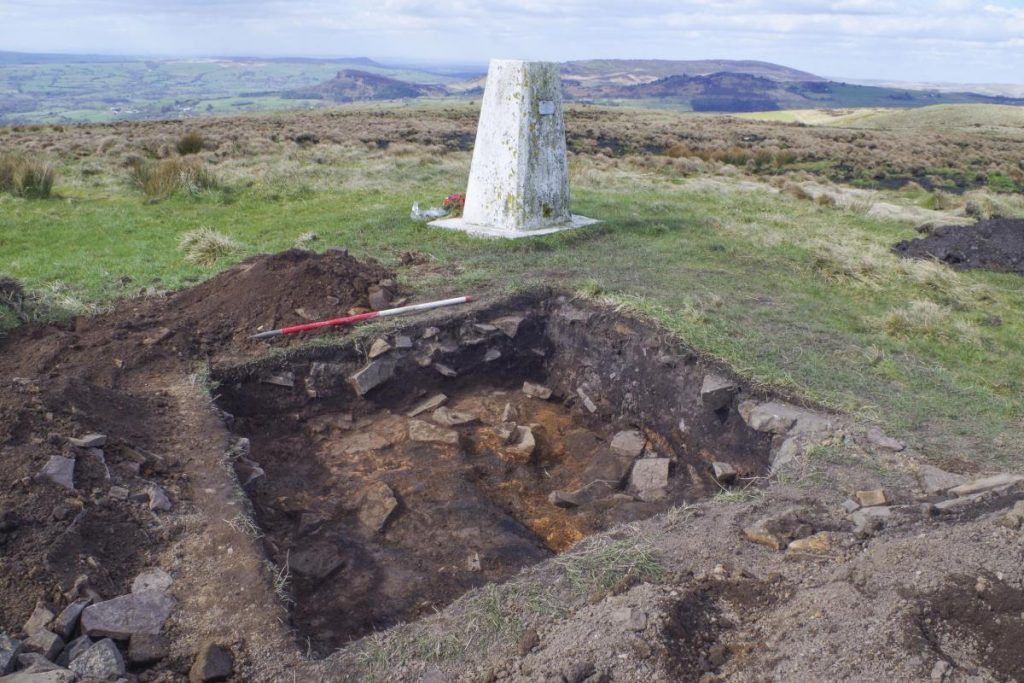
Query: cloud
point(969, 40)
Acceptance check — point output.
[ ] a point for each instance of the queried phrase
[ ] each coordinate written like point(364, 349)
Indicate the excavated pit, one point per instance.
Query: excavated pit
point(383, 514)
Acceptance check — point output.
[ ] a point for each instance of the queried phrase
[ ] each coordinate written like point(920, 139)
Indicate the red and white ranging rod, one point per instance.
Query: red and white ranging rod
point(351, 319)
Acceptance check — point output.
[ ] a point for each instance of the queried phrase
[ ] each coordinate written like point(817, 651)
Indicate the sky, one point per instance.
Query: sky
point(963, 41)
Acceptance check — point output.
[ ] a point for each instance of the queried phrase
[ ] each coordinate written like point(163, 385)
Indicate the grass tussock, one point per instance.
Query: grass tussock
point(190, 143)
point(162, 179)
point(602, 563)
point(927, 319)
point(205, 246)
point(24, 177)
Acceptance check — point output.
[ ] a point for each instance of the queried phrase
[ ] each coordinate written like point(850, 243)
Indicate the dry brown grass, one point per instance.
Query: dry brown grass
point(25, 177)
point(159, 180)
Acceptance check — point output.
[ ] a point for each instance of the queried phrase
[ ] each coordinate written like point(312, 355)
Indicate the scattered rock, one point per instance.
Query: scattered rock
point(280, 379)
point(536, 390)
point(60, 471)
point(867, 521)
point(378, 348)
point(935, 481)
point(431, 332)
point(878, 439)
point(429, 404)
point(324, 379)
point(778, 530)
point(74, 649)
point(607, 466)
point(473, 562)
point(777, 417)
point(786, 454)
point(158, 500)
point(316, 562)
point(492, 355)
point(522, 441)
point(998, 482)
point(372, 375)
point(588, 402)
point(649, 477)
point(45, 642)
point(957, 504)
point(872, 498)
point(9, 651)
point(579, 672)
point(1014, 519)
point(103, 661)
point(563, 499)
point(630, 618)
point(40, 671)
point(850, 506)
point(818, 543)
point(451, 418)
point(446, 370)
point(509, 413)
point(89, 441)
point(629, 443)
point(403, 341)
point(64, 623)
point(213, 663)
point(716, 391)
point(40, 619)
point(377, 502)
point(424, 431)
point(723, 472)
point(509, 324)
point(152, 579)
point(528, 642)
point(146, 648)
point(121, 617)
point(379, 298)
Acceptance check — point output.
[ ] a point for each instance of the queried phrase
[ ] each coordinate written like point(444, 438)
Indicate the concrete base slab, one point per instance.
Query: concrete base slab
point(493, 231)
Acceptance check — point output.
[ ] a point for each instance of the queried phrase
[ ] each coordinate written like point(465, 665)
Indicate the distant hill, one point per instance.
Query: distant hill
point(351, 85)
point(625, 71)
point(56, 58)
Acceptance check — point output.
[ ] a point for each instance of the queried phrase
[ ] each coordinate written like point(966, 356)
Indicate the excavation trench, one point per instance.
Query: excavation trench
point(382, 514)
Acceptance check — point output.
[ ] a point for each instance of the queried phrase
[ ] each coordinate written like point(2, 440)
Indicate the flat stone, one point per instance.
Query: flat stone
point(9, 651)
point(89, 441)
point(451, 418)
point(372, 375)
point(607, 466)
point(429, 404)
point(999, 481)
point(152, 579)
point(426, 432)
point(649, 474)
point(957, 504)
point(146, 648)
point(317, 561)
point(124, 616)
point(850, 506)
point(379, 298)
point(158, 500)
point(64, 623)
point(786, 454)
point(868, 520)
point(492, 355)
point(935, 481)
point(446, 370)
point(280, 379)
point(776, 531)
point(563, 499)
point(403, 341)
point(872, 498)
point(717, 391)
point(723, 472)
point(213, 663)
point(377, 502)
point(45, 642)
point(536, 390)
point(509, 324)
point(630, 618)
point(40, 619)
point(60, 471)
point(778, 417)
point(73, 650)
point(588, 402)
point(103, 661)
point(378, 348)
point(509, 413)
point(629, 443)
point(41, 671)
point(879, 439)
point(522, 441)
point(361, 442)
point(818, 543)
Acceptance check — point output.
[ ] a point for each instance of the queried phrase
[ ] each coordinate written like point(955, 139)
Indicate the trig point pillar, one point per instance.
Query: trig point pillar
point(519, 179)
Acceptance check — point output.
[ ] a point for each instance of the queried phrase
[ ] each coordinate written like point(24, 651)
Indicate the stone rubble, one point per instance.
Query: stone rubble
point(717, 391)
point(629, 443)
point(89, 441)
point(60, 471)
point(431, 403)
point(213, 663)
point(124, 616)
point(536, 390)
point(103, 661)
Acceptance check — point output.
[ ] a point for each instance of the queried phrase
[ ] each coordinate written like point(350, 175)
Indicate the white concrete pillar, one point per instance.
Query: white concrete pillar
point(519, 178)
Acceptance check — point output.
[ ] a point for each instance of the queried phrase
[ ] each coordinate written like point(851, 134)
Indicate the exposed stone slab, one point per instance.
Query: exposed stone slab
point(60, 471)
point(534, 390)
point(102, 661)
point(993, 483)
point(142, 612)
point(935, 481)
point(155, 579)
point(45, 642)
point(64, 623)
point(424, 431)
point(717, 391)
point(649, 474)
point(777, 417)
point(213, 663)
point(629, 443)
point(9, 651)
point(376, 505)
point(89, 441)
point(429, 404)
point(372, 375)
point(876, 437)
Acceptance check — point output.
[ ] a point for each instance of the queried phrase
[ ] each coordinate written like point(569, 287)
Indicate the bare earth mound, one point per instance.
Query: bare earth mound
point(996, 244)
